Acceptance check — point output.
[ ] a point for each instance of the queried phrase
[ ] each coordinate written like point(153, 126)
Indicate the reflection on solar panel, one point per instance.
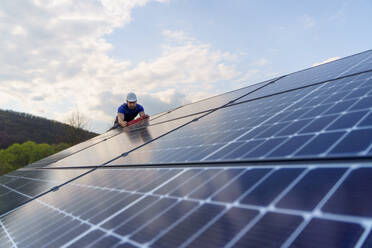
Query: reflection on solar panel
point(283, 163)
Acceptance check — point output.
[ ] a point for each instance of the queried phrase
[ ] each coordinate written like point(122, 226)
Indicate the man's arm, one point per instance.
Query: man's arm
point(121, 120)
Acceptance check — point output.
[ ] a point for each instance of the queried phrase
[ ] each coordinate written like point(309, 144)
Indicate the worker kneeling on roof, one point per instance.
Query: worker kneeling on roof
point(129, 110)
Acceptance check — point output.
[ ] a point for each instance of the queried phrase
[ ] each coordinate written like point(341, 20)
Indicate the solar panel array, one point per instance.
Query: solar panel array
point(283, 163)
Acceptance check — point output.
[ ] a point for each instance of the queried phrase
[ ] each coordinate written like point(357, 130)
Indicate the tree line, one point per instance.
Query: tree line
point(20, 155)
point(16, 127)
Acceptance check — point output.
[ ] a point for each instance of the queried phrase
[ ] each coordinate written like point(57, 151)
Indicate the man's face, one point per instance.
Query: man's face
point(131, 105)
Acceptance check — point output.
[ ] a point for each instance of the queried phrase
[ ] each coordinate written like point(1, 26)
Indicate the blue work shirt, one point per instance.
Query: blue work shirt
point(129, 114)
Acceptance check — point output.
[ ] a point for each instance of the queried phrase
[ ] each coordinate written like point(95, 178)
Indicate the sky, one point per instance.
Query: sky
point(63, 56)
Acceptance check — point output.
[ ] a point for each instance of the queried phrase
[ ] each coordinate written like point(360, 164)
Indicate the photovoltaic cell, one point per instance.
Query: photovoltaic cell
point(229, 225)
point(189, 226)
point(241, 185)
point(315, 185)
point(337, 234)
point(271, 231)
point(88, 239)
point(351, 197)
point(213, 185)
point(147, 215)
point(159, 226)
point(271, 187)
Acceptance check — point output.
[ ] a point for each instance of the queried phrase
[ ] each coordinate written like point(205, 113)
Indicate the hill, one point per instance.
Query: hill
point(16, 127)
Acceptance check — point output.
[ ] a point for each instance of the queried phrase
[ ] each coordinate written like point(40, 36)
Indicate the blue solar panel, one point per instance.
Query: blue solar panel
point(283, 126)
point(130, 138)
point(75, 149)
point(233, 206)
point(340, 68)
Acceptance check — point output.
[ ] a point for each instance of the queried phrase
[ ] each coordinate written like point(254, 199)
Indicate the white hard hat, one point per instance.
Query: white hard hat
point(131, 97)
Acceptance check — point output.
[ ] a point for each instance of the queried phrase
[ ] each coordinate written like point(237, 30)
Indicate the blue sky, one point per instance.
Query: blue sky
point(63, 56)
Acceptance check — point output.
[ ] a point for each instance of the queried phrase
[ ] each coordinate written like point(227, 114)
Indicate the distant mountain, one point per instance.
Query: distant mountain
point(16, 127)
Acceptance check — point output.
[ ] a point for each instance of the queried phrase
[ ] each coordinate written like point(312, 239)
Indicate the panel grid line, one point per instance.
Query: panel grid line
point(356, 65)
point(8, 234)
point(347, 132)
point(317, 210)
point(251, 224)
point(254, 186)
point(205, 227)
point(364, 236)
point(227, 184)
point(290, 187)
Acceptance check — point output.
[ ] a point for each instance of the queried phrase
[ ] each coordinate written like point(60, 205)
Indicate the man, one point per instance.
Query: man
point(128, 111)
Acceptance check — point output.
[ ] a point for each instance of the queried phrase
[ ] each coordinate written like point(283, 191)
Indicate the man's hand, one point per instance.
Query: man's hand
point(121, 120)
point(143, 115)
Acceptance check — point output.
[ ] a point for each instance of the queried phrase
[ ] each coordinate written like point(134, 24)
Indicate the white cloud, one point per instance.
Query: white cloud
point(340, 13)
point(18, 30)
point(326, 61)
point(178, 35)
point(54, 60)
point(260, 62)
point(308, 21)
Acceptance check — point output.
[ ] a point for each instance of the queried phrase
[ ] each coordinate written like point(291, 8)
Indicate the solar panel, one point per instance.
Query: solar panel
point(132, 137)
point(299, 124)
point(269, 205)
point(330, 71)
point(286, 164)
point(75, 149)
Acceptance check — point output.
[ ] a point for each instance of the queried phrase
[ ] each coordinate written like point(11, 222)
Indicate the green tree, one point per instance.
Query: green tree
point(41, 151)
point(5, 162)
point(20, 155)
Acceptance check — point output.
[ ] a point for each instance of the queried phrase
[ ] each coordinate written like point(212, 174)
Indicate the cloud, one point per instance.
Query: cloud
point(308, 21)
point(340, 13)
point(177, 36)
point(260, 62)
point(326, 61)
point(55, 60)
